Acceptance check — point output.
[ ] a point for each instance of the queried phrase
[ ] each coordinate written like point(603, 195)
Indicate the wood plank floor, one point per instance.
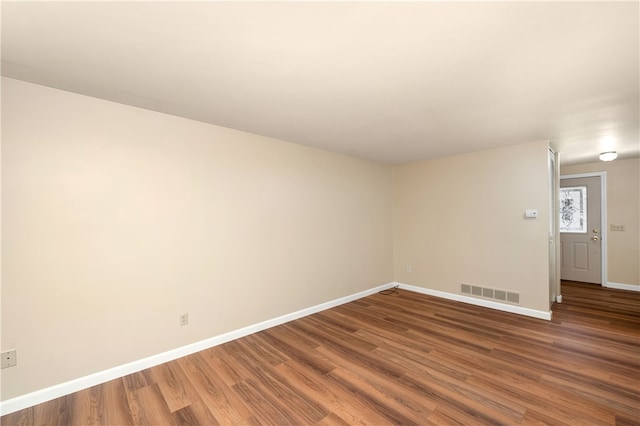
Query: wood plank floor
point(405, 359)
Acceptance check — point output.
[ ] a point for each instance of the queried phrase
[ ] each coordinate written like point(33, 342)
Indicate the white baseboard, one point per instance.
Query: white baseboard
point(479, 302)
point(631, 287)
point(66, 388)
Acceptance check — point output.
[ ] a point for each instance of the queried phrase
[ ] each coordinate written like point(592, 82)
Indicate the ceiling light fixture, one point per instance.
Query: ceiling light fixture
point(608, 156)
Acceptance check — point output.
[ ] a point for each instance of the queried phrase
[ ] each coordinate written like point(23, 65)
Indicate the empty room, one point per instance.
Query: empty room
point(331, 213)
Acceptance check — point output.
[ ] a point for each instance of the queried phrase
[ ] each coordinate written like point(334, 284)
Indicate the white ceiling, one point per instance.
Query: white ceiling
point(387, 81)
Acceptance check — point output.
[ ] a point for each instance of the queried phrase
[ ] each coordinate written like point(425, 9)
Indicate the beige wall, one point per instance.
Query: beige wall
point(623, 208)
point(461, 220)
point(116, 220)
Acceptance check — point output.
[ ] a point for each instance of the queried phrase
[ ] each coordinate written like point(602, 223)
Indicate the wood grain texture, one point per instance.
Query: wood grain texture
point(405, 359)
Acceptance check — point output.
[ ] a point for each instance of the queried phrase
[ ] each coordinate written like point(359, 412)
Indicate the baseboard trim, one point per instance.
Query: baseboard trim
point(66, 388)
point(479, 302)
point(630, 287)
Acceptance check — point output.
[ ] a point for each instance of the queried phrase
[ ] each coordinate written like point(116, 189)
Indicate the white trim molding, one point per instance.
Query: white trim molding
point(66, 388)
point(479, 302)
point(630, 287)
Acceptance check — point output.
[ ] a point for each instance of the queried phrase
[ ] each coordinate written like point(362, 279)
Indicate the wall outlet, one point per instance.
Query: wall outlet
point(184, 319)
point(9, 359)
point(617, 227)
point(409, 268)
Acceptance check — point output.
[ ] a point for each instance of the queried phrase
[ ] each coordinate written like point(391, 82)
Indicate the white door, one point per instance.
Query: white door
point(580, 230)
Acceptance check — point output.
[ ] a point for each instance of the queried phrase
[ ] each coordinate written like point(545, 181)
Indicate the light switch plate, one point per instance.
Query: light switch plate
point(531, 214)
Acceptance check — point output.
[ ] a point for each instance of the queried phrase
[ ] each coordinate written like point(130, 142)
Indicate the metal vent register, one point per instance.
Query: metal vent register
point(490, 293)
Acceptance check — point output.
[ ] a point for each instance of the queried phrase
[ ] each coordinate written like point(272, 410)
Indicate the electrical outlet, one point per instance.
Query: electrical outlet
point(409, 268)
point(617, 227)
point(184, 319)
point(9, 359)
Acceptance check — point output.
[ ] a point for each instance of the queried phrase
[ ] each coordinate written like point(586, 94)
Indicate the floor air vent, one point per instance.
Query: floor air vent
point(490, 293)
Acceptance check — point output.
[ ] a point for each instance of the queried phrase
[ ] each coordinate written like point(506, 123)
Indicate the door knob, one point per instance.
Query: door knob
point(595, 238)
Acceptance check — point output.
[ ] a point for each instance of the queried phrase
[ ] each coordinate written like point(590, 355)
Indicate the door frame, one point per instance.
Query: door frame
point(555, 290)
point(604, 239)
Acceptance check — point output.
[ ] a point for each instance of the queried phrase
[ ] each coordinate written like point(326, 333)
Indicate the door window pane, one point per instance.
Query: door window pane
point(573, 209)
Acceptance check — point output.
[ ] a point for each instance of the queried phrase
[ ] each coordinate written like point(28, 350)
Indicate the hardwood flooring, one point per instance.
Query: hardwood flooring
point(406, 359)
